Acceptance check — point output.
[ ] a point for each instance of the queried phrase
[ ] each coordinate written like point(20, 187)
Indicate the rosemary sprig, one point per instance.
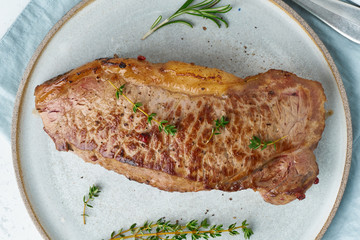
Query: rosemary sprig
point(168, 129)
point(205, 9)
point(256, 142)
point(219, 123)
point(161, 229)
point(93, 193)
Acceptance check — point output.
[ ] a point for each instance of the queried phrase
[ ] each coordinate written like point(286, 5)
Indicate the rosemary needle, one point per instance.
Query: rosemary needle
point(205, 9)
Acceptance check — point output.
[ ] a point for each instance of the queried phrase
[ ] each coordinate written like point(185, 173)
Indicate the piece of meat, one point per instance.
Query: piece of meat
point(81, 113)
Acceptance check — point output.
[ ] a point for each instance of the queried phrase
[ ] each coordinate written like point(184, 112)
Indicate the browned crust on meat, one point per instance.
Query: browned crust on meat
point(80, 113)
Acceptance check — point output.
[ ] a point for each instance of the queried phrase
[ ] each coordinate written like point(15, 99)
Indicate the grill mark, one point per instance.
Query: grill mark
point(132, 146)
point(168, 165)
point(189, 121)
point(177, 108)
point(156, 139)
point(179, 140)
point(198, 126)
point(156, 144)
point(138, 159)
point(208, 115)
point(149, 158)
point(178, 111)
point(90, 145)
point(201, 138)
point(235, 121)
point(103, 150)
point(196, 162)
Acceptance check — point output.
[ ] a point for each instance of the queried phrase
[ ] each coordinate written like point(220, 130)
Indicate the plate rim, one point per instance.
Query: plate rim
point(83, 3)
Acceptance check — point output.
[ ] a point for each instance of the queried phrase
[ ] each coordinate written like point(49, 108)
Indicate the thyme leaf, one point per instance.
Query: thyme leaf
point(219, 123)
point(256, 143)
point(162, 229)
point(93, 193)
point(136, 106)
point(150, 117)
point(168, 129)
point(247, 231)
point(119, 91)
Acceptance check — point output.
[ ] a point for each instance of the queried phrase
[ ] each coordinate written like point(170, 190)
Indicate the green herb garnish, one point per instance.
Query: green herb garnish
point(219, 123)
point(136, 106)
point(151, 117)
point(119, 91)
point(168, 129)
point(205, 9)
point(162, 229)
point(93, 193)
point(256, 143)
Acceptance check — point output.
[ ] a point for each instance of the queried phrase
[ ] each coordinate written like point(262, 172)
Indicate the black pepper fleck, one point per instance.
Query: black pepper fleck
point(122, 65)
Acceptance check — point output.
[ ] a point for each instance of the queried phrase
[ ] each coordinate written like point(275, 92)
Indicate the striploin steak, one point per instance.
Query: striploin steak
point(81, 113)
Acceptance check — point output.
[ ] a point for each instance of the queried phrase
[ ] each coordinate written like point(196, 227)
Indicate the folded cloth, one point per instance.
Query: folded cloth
point(20, 42)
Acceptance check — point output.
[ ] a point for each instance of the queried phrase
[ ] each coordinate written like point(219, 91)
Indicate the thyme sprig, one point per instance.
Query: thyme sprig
point(93, 193)
point(168, 129)
point(219, 123)
point(205, 9)
point(256, 143)
point(161, 229)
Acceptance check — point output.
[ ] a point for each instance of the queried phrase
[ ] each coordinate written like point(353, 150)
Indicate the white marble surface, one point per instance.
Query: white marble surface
point(15, 222)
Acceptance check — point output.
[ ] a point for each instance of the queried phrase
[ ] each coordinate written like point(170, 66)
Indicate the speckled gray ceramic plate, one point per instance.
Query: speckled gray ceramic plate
point(262, 35)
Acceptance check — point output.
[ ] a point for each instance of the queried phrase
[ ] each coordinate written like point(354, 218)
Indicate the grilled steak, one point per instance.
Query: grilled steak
point(81, 113)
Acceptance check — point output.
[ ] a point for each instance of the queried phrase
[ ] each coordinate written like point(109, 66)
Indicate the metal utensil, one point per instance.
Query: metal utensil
point(342, 17)
point(356, 2)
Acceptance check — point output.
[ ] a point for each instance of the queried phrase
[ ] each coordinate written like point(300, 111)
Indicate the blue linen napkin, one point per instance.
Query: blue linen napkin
point(20, 42)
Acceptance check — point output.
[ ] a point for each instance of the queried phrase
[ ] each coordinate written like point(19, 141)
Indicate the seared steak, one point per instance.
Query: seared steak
point(81, 113)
